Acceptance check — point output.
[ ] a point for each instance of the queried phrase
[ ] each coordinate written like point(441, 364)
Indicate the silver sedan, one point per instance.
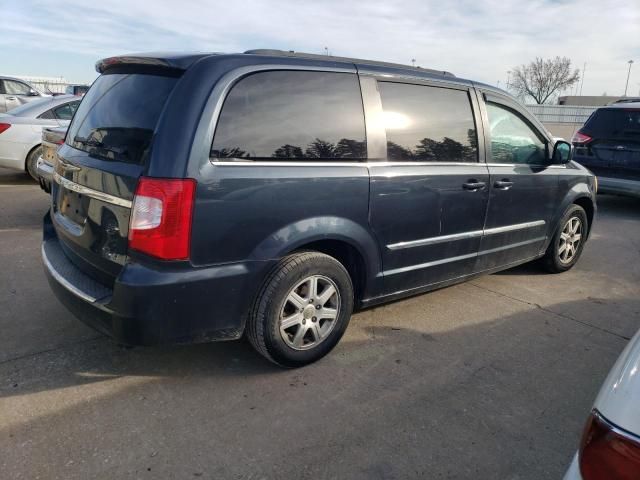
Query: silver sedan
point(21, 130)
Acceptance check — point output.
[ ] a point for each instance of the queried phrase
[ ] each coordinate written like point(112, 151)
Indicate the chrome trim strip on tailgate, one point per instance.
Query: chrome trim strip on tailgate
point(104, 197)
point(63, 281)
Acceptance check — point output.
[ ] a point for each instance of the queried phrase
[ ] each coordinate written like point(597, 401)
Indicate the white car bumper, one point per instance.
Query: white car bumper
point(574, 470)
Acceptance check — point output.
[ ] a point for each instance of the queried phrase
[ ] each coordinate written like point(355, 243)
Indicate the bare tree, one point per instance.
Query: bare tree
point(541, 79)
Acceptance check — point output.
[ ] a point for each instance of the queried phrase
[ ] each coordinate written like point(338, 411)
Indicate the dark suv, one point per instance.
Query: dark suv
point(199, 197)
point(609, 145)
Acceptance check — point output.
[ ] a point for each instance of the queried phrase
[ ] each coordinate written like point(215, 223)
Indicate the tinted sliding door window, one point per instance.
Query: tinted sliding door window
point(428, 124)
point(512, 139)
point(291, 115)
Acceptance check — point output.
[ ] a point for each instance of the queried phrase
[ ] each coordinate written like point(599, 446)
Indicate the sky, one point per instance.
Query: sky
point(476, 39)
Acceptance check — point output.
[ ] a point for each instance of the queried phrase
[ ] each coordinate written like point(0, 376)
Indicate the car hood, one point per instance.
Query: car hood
point(619, 396)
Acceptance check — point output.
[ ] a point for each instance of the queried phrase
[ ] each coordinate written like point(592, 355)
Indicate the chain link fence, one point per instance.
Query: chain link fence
point(47, 84)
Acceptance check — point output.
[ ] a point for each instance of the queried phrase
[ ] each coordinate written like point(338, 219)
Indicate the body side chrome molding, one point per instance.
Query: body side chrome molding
point(461, 257)
point(90, 192)
point(63, 281)
point(516, 226)
point(465, 235)
point(435, 240)
point(429, 264)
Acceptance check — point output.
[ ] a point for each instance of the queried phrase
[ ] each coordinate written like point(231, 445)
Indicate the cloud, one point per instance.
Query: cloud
point(480, 39)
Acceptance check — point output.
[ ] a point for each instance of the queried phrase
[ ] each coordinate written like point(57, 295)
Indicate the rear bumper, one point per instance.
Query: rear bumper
point(45, 174)
point(619, 186)
point(148, 306)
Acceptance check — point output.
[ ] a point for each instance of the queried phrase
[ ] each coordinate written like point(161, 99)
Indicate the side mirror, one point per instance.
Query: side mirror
point(33, 93)
point(561, 152)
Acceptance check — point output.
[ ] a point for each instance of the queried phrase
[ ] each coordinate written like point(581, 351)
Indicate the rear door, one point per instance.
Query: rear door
point(106, 150)
point(523, 185)
point(429, 194)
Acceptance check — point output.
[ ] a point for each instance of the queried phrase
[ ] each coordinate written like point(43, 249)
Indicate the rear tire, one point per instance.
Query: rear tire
point(31, 165)
point(568, 241)
point(302, 310)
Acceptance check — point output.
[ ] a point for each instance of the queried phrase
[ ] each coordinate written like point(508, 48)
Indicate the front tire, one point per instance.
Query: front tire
point(568, 241)
point(31, 165)
point(302, 310)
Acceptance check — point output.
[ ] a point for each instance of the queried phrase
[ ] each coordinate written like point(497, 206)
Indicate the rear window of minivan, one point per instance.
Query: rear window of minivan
point(118, 116)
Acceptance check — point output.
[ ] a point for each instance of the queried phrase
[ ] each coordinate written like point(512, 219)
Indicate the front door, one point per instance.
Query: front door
point(429, 196)
point(523, 187)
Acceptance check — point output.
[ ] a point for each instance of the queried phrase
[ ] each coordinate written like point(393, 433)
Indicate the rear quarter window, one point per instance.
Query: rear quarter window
point(118, 116)
point(289, 115)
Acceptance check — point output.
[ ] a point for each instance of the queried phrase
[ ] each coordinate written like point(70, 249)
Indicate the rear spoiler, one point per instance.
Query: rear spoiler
point(163, 63)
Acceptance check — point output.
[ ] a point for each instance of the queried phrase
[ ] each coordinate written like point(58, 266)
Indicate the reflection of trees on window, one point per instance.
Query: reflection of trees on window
point(234, 152)
point(288, 151)
point(350, 149)
point(429, 150)
point(318, 149)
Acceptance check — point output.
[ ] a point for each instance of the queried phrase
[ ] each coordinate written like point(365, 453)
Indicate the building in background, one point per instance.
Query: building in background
point(587, 100)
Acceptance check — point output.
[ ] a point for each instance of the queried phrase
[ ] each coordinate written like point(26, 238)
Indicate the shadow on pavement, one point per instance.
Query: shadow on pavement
point(14, 177)
point(390, 402)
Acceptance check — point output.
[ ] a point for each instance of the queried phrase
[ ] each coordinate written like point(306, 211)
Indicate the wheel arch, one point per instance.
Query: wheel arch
point(29, 152)
point(587, 204)
point(347, 241)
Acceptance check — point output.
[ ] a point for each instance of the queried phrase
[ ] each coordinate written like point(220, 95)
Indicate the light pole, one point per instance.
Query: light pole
point(630, 62)
point(326, 51)
point(413, 62)
point(584, 68)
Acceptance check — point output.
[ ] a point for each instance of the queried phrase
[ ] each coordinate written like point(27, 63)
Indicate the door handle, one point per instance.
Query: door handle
point(10, 98)
point(504, 184)
point(473, 185)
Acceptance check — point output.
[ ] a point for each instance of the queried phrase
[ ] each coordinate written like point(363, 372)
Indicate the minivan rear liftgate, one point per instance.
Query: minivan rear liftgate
point(99, 166)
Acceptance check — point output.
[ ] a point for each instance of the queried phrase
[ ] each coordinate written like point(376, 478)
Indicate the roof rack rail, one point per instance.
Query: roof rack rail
point(317, 56)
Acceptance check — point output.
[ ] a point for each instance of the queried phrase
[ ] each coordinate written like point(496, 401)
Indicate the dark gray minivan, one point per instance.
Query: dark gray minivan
point(198, 197)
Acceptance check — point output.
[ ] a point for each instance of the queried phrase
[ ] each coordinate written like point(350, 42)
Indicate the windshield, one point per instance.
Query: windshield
point(117, 117)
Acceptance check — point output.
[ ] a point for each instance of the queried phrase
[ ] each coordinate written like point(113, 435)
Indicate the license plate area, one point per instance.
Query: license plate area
point(73, 205)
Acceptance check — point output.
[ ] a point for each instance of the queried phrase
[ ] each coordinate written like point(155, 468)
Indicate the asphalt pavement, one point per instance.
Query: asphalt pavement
point(490, 379)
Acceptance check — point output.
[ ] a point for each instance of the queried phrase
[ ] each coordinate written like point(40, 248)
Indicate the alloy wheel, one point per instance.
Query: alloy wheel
point(570, 239)
point(309, 312)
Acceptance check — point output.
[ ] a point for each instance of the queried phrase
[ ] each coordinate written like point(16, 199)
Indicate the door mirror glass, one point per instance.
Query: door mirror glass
point(561, 152)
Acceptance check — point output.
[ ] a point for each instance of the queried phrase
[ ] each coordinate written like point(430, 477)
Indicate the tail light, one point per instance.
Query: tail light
point(608, 453)
point(580, 138)
point(161, 214)
point(4, 127)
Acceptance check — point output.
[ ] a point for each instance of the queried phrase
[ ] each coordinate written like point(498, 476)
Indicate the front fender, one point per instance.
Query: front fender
point(574, 190)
